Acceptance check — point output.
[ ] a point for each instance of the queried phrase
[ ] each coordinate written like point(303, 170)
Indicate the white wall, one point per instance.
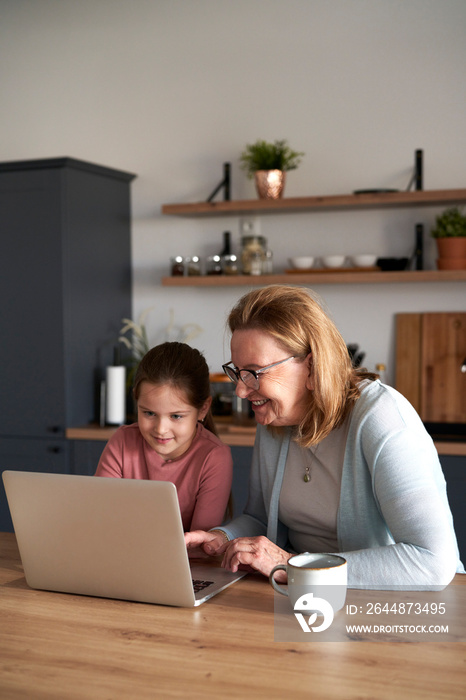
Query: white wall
point(171, 89)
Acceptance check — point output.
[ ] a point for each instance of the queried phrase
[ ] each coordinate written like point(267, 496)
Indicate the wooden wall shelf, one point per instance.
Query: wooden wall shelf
point(312, 279)
point(290, 205)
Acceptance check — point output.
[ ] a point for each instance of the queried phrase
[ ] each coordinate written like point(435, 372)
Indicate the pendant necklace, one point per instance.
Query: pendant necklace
point(307, 469)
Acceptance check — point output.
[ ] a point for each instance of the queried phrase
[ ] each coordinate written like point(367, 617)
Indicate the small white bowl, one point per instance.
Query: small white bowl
point(301, 263)
point(333, 260)
point(367, 260)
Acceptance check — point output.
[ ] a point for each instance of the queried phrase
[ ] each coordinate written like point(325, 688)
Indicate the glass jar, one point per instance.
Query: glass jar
point(253, 254)
point(214, 265)
point(194, 266)
point(268, 263)
point(222, 390)
point(230, 264)
point(177, 266)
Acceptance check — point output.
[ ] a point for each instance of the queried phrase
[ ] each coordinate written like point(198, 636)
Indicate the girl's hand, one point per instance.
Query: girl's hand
point(256, 553)
point(209, 542)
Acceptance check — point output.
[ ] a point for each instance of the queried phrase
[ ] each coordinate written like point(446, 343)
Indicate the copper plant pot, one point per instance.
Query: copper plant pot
point(269, 183)
point(452, 247)
point(452, 253)
point(451, 263)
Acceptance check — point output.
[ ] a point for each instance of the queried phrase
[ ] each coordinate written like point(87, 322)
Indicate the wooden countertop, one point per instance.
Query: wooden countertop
point(57, 646)
point(241, 435)
point(236, 435)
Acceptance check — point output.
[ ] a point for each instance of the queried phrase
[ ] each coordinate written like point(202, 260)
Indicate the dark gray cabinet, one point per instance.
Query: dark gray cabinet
point(454, 469)
point(242, 457)
point(65, 285)
point(85, 455)
point(29, 455)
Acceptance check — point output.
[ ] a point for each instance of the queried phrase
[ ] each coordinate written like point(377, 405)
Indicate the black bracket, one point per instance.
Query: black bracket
point(416, 178)
point(225, 183)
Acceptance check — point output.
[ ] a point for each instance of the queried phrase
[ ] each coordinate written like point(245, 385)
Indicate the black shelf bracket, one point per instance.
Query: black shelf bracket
point(417, 176)
point(225, 184)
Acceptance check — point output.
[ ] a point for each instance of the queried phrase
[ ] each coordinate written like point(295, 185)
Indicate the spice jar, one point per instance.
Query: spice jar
point(177, 266)
point(267, 268)
point(214, 266)
point(194, 266)
point(230, 264)
point(253, 254)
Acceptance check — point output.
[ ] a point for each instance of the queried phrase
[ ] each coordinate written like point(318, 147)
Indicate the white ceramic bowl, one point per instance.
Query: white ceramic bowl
point(333, 260)
point(366, 260)
point(301, 263)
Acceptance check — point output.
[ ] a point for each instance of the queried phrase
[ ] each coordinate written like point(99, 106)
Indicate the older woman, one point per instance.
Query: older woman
point(341, 462)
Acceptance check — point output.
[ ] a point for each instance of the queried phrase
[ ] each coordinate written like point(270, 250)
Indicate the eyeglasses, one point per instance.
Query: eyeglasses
point(250, 377)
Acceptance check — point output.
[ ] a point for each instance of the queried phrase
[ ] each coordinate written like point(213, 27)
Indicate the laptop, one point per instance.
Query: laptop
point(111, 538)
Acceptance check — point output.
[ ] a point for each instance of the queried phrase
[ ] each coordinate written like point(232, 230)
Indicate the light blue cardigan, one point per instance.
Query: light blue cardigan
point(394, 523)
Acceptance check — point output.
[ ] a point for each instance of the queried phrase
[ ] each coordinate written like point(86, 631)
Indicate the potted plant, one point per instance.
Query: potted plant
point(267, 163)
point(450, 234)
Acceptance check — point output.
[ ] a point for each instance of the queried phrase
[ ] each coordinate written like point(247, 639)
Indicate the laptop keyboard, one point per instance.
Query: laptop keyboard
point(199, 585)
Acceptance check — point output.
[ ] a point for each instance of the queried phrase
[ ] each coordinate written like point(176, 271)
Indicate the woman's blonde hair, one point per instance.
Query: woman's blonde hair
point(301, 327)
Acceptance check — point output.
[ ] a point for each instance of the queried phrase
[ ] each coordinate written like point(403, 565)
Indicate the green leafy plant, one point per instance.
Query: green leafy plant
point(450, 224)
point(138, 342)
point(263, 155)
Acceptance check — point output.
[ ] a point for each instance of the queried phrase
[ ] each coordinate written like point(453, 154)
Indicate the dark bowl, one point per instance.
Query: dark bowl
point(388, 264)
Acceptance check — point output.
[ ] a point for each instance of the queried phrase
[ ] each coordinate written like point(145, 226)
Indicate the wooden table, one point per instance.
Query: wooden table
point(69, 647)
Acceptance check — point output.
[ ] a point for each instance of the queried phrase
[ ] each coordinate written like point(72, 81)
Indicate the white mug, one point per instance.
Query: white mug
point(320, 575)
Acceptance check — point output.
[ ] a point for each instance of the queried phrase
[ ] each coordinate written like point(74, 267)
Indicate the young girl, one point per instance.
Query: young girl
point(175, 438)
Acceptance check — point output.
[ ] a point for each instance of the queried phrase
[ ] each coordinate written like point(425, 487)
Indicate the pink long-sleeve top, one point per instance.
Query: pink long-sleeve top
point(202, 475)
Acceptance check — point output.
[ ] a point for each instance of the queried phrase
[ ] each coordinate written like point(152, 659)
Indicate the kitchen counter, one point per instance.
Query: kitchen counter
point(233, 434)
point(238, 435)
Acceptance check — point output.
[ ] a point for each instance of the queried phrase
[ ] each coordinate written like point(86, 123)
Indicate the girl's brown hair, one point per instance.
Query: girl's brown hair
point(182, 367)
point(300, 326)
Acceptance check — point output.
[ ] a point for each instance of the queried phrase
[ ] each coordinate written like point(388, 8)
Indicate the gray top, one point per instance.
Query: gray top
point(310, 507)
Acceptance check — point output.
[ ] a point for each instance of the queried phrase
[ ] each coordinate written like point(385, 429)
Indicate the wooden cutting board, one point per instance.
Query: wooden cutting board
point(443, 385)
point(430, 350)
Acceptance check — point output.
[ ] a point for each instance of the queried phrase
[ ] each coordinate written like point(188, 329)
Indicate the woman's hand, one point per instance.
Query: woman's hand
point(256, 553)
point(246, 553)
